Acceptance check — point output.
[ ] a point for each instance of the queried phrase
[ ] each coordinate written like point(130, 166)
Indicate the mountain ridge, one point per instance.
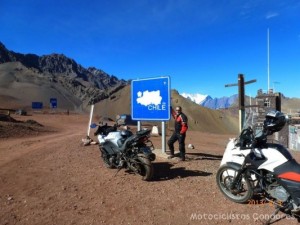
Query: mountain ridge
point(85, 83)
point(209, 102)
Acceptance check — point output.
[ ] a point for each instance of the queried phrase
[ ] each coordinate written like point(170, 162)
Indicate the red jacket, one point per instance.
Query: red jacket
point(181, 122)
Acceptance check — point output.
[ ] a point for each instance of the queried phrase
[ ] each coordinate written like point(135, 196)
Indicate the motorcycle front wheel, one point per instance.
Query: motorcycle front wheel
point(241, 193)
point(144, 167)
point(106, 161)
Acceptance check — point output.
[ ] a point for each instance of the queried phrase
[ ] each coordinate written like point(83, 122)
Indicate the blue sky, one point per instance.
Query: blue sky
point(201, 44)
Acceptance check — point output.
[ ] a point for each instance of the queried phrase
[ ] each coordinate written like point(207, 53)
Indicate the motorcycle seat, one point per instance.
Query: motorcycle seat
point(128, 140)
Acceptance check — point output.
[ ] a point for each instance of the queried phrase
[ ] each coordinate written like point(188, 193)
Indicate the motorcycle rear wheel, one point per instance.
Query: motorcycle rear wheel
point(243, 191)
point(145, 168)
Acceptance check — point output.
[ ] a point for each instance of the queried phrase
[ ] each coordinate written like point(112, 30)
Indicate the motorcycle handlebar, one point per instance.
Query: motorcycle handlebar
point(105, 129)
point(248, 140)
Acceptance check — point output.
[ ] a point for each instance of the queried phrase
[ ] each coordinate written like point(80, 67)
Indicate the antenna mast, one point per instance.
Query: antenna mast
point(268, 43)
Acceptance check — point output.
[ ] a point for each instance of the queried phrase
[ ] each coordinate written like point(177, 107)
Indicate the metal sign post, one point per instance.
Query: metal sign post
point(163, 134)
point(90, 120)
point(88, 140)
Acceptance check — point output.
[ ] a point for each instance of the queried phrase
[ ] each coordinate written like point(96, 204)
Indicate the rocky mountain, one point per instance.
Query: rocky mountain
point(84, 83)
point(212, 103)
point(220, 103)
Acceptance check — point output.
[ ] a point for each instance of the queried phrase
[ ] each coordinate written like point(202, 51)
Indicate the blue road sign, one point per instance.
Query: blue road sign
point(37, 105)
point(150, 99)
point(53, 103)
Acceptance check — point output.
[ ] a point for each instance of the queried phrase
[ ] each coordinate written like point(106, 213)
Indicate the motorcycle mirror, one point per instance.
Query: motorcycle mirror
point(93, 125)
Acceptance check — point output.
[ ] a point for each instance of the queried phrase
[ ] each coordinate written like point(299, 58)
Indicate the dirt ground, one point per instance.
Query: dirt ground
point(48, 177)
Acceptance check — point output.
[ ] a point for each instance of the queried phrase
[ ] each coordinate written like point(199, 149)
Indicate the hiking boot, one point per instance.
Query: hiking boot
point(182, 159)
point(171, 156)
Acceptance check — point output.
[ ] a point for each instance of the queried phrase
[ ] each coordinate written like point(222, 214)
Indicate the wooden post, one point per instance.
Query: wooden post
point(241, 89)
point(241, 85)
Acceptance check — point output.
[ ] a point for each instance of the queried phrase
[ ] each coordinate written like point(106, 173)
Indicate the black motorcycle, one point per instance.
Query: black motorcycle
point(123, 149)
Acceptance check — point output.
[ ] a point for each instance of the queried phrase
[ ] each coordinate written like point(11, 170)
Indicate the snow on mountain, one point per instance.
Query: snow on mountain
point(197, 98)
point(209, 102)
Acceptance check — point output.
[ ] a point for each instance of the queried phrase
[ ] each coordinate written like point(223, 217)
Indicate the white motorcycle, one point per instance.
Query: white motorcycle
point(252, 167)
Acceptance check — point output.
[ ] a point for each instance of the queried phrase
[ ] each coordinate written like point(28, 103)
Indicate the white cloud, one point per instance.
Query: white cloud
point(271, 15)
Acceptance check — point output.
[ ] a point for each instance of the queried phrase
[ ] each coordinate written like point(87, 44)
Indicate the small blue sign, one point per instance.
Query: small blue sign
point(53, 103)
point(150, 99)
point(37, 105)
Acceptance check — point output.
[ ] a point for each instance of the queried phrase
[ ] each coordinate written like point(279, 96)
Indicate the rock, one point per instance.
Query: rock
point(190, 146)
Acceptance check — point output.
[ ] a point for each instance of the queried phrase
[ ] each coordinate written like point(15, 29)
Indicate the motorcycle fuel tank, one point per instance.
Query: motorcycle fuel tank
point(112, 137)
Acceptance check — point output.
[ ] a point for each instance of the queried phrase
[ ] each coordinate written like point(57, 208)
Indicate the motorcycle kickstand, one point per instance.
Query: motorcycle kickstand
point(120, 166)
point(269, 221)
point(117, 171)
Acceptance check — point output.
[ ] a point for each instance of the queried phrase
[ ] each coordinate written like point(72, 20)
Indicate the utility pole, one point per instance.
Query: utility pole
point(241, 86)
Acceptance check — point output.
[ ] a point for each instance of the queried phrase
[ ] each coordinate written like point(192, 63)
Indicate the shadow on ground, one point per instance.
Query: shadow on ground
point(164, 171)
point(204, 156)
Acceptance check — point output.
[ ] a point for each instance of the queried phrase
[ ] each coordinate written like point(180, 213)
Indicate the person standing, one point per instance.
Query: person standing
point(179, 134)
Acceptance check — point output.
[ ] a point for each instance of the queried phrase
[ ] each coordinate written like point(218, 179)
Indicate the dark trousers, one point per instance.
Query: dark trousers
point(181, 141)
